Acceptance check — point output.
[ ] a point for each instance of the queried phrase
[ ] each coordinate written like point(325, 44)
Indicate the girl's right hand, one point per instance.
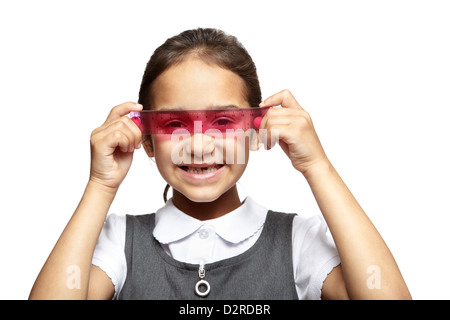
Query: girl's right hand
point(112, 146)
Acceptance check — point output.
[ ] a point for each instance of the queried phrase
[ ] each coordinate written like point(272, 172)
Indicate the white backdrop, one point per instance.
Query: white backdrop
point(374, 75)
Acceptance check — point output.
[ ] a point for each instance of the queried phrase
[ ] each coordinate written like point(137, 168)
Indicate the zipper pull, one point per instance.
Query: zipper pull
point(202, 282)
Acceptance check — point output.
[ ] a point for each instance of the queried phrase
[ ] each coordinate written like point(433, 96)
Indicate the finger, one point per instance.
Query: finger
point(278, 116)
point(127, 137)
point(136, 132)
point(117, 140)
point(122, 110)
point(277, 134)
point(283, 98)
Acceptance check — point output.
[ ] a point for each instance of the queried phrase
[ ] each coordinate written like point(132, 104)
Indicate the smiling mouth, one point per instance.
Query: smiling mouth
point(202, 169)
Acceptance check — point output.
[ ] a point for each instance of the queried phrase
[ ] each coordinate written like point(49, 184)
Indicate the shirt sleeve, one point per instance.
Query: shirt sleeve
point(314, 256)
point(109, 253)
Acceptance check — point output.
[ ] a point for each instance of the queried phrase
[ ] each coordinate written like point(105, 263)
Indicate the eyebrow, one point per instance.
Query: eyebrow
point(213, 107)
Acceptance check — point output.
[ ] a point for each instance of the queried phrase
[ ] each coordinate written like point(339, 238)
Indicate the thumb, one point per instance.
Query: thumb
point(283, 98)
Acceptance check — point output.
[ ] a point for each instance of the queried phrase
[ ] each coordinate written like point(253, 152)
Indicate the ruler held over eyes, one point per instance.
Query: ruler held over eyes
point(198, 121)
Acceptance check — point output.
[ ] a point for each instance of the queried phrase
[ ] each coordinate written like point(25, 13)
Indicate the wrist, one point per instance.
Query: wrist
point(101, 189)
point(317, 169)
point(96, 201)
point(93, 207)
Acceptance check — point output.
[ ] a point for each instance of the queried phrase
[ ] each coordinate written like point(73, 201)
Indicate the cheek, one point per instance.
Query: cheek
point(162, 147)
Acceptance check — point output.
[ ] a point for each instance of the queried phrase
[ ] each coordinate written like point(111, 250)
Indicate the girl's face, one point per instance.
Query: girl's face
point(195, 85)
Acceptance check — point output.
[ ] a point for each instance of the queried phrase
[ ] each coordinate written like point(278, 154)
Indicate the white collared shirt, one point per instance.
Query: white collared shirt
point(189, 240)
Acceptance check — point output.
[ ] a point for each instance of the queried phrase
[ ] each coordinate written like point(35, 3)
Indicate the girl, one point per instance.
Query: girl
point(206, 243)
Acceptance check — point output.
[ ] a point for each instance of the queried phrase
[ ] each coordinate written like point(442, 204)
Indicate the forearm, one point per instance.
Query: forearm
point(360, 246)
point(65, 275)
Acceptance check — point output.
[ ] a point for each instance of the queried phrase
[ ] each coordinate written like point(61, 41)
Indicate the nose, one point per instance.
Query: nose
point(197, 146)
point(204, 148)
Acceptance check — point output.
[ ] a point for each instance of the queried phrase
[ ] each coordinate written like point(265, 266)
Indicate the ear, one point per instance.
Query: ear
point(148, 146)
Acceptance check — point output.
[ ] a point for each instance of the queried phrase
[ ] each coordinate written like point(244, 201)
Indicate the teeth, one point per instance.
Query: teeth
point(200, 170)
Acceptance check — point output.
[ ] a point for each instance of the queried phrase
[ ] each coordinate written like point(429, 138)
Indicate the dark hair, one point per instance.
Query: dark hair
point(212, 46)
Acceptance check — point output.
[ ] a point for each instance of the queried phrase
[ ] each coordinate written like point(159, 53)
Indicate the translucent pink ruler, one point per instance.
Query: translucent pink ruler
point(198, 121)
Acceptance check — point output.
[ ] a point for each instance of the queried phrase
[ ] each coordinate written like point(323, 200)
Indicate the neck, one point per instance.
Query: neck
point(226, 203)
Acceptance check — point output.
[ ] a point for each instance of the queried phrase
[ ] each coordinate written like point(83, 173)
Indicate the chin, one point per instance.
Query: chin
point(201, 195)
point(206, 193)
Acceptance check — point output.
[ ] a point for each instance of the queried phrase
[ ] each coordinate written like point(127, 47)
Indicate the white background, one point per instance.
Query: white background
point(374, 75)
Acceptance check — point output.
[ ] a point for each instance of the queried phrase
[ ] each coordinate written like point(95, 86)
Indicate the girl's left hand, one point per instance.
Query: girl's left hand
point(297, 136)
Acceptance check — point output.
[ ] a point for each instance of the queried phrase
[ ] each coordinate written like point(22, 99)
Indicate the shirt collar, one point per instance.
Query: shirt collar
point(172, 224)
